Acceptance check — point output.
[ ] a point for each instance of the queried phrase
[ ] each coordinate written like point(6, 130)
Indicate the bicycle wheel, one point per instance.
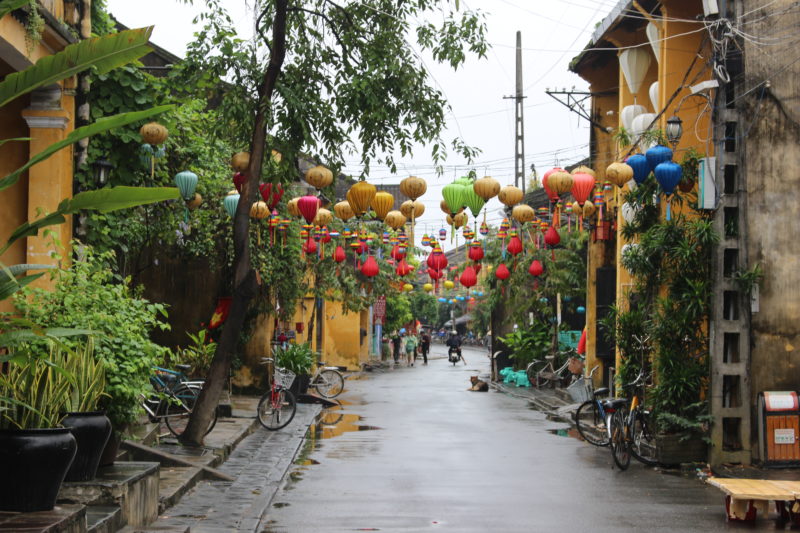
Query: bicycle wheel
point(620, 450)
point(533, 370)
point(179, 409)
point(276, 415)
point(329, 383)
point(590, 423)
point(643, 440)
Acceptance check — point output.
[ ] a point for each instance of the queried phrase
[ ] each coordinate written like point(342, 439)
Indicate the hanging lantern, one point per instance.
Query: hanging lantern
point(653, 92)
point(153, 133)
point(271, 194)
point(238, 181)
point(484, 229)
point(619, 174)
point(428, 287)
point(310, 247)
point(641, 169)
point(546, 183)
point(475, 251)
point(584, 170)
point(343, 211)
point(317, 233)
point(360, 197)
point(468, 278)
point(551, 237)
point(319, 177)
point(589, 210)
point(486, 187)
point(195, 202)
point(523, 213)
point(536, 269)
point(240, 161)
point(510, 195)
point(582, 185)
point(668, 175)
point(442, 234)
point(654, 37)
point(514, 245)
point(408, 287)
point(453, 194)
point(437, 260)
point(449, 284)
point(426, 240)
point(411, 209)
point(413, 187)
point(641, 123)
point(395, 219)
point(259, 210)
point(443, 207)
point(658, 154)
point(338, 254)
point(293, 208)
point(381, 204)
point(347, 234)
point(630, 112)
point(403, 268)
point(473, 200)
point(231, 202)
point(323, 217)
point(308, 207)
point(634, 63)
point(326, 235)
point(501, 272)
point(396, 254)
point(468, 233)
point(186, 182)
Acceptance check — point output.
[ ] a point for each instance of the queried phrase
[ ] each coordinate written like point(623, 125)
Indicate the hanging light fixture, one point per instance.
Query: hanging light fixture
point(674, 130)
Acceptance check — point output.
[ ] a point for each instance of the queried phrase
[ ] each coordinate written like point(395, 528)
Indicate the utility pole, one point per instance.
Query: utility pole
point(519, 141)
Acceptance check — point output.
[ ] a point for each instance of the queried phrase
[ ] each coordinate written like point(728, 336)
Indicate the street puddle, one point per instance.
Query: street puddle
point(566, 432)
point(330, 424)
point(280, 505)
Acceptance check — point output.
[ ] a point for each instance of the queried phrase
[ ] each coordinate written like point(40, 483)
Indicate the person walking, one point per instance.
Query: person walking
point(410, 343)
point(425, 345)
point(397, 340)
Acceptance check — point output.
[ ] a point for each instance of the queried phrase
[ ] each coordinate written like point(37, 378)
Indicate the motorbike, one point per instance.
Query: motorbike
point(454, 354)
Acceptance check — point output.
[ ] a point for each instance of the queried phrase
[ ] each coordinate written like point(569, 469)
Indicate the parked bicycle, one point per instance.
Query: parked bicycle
point(327, 380)
point(542, 372)
point(277, 406)
point(174, 399)
point(631, 430)
point(594, 415)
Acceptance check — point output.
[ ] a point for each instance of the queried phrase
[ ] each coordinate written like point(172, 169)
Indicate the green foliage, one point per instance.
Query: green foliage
point(423, 307)
point(694, 420)
point(198, 354)
point(89, 295)
point(530, 343)
point(747, 280)
point(296, 357)
point(87, 372)
point(398, 311)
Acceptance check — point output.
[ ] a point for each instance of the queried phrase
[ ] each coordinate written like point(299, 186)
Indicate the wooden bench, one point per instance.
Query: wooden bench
point(744, 498)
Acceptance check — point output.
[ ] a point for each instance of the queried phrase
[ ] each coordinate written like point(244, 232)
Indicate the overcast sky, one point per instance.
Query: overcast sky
point(553, 32)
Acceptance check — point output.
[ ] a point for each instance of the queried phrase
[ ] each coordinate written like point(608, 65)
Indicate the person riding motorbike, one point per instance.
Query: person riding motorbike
point(454, 352)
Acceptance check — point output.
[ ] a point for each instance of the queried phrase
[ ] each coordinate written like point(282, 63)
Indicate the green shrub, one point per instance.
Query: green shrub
point(296, 357)
point(89, 295)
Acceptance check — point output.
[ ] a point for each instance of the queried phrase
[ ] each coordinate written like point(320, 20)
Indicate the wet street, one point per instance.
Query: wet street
point(413, 450)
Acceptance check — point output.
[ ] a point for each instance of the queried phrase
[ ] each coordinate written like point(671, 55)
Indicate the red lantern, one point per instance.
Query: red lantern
point(339, 255)
point(396, 254)
point(238, 181)
point(477, 268)
point(362, 248)
point(514, 245)
point(437, 261)
point(582, 186)
point(435, 274)
point(476, 253)
point(468, 277)
point(271, 194)
point(536, 269)
point(370, 267)
point(550, 194)
point(308, 207)
point(310, 247)
point(403, 268)
point(501, 272)
point(552, 238)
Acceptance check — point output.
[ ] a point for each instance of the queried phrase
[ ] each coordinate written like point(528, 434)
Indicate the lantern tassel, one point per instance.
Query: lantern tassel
point(669, 201)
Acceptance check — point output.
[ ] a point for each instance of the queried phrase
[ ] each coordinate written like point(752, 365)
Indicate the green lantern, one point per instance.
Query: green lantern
point(231, 202)
point(473, 201)
point(186, 182)
point(453, 194)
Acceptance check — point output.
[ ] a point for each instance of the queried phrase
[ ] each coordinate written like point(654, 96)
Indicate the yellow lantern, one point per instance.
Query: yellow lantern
point(153, 133)
point(510, 195)
point(408, 287)
point(195, 202)
point(292, 207)
point(619, 174)
point(428, 287)
point(395, 219)
point(360, 197)
point(576, 209)
point(582, 170)
point(460, 220)
point(240, 161)
point(412, 209)
point(413, 187)
point(523, 213)
point(589, 209)
point(449, 284)
point(319, 177)
point(486, 187)
point(259, 210)
point(342, 210)
point(232, 192)
point(560, 182)
point(323, 217)
point(382, 204)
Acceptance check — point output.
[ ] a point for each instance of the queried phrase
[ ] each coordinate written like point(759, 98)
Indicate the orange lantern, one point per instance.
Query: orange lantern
point(382, 204)
point(153, 133)
point(360, 197)
point(342, 210)
point(413, 187)
point(240, 161)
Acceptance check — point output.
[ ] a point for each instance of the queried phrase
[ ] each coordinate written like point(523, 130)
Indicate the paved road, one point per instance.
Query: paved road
point(414, 451)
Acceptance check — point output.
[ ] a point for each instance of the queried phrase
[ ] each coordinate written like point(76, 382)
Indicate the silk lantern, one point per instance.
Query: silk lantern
point(310, 246)
point(259, 210)
point(413, 187)
point(668, 174)
point(411, 209)
point(308, 206)
point(523, 213)
point(476, 251)
point(536, 269)
point(319, 177)
point(428, 287)
point(403, 268)
point(634, 63)
point(370, 267)
point(292, 207)
point(343, 211)
point(619, 174)
point(231, 202)
point(395, 219)
point(323, 217)
point(502, 272)
point(473, 200)
point(641, 169)
point(551, 239)
point(630, 112)
point(658, 154)
point(560, 182)
point(360, 197)
point(510, 195)
point(186, 182)
point(339, 254)
point(381, 204)
point(453, 194)
point(514, 245)
point(654, 37)
point(582, 186)
point(486, 187)
point(653, 93)
point(546, 183)
point(583, 169)
point(468, 277)
point(642, 123)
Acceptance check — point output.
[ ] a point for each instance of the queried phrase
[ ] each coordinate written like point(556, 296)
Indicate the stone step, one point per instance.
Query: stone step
point(104, 518)
point(175, 482)
point(66, 518)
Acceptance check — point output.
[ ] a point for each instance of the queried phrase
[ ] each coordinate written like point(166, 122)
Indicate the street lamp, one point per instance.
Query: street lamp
point(102, 169)
point(674, 130)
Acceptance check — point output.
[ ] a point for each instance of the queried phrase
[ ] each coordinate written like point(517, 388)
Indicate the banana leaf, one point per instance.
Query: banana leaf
point(16, 139)
point(10, 286)
point(101, 125)
point(105, 53)
point(9, 272)
point(13, 337)
point(103, 200)
point(7, 6)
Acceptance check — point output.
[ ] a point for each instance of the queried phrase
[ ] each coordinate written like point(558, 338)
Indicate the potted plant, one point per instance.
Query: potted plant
point(690, 167)
point(35, 453)
point(89, 425)
point(299, 359)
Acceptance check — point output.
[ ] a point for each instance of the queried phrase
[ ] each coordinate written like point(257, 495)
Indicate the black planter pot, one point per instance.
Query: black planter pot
point(33, 463)
point(300, 385)
point(91, 431)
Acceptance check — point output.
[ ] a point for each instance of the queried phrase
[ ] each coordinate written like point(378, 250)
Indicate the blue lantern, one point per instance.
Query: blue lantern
point(581, 309)
point(186, 182)
point(657, 155)
point(640, 167)
point(231, 202)
point(442, 300)
point(668, 175)
point(543, 300)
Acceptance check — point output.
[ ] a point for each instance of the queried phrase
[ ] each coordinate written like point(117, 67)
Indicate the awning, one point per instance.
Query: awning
point(463, 319)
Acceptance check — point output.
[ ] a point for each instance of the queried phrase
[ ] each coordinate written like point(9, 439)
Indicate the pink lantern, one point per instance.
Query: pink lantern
point(582, 186)
point(308, 207)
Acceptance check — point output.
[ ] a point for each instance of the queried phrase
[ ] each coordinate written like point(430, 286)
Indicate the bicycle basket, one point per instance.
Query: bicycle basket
point(579, 391)
point(284, 377)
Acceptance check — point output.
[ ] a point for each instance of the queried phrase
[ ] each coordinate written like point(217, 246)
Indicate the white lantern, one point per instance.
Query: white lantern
point(629, 112)
point(628, 212)
point(654, 96)
point(641, 123)
point(654, 36)
point(634, 63)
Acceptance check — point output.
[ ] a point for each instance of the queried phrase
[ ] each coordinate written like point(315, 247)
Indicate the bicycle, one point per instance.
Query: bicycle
point(175, 399)
point(631, 430)
point(593, 416)
point(328, 381)
point(277, 406)
point(542, 372)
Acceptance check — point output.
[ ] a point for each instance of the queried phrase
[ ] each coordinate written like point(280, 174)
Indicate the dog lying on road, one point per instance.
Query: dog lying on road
point(478, 385)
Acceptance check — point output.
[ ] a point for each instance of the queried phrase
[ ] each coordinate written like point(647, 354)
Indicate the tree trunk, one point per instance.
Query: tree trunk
point(244, 285)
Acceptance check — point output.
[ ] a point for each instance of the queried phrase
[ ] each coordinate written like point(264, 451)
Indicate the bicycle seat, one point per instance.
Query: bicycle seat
point(266, 360)
point(549, 357)
point(601, 391)
point(185, 368)
point(616, 403)
point(322, 363)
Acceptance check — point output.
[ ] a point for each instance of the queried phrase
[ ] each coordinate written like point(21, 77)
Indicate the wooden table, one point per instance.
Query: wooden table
point(745, 497)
